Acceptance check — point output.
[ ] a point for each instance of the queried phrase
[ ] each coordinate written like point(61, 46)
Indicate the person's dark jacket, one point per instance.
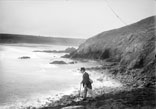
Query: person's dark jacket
point(86, 80)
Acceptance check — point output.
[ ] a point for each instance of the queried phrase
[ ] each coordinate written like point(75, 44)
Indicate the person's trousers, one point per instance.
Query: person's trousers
point(87, 90)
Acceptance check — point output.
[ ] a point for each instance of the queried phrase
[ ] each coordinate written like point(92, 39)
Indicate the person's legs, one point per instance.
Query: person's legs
point(91, 92)
point(85, 92)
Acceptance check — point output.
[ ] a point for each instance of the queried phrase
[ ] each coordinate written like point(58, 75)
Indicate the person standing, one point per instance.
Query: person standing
point(87, 83)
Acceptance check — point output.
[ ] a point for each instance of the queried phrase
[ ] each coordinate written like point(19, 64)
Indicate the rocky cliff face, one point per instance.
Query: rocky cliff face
point(132, 45)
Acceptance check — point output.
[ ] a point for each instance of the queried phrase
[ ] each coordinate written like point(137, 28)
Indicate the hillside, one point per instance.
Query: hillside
point(125, 45)
point(16, 38)
point(119, 42)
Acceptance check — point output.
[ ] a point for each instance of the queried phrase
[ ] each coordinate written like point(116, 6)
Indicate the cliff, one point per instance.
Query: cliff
point(132, 47)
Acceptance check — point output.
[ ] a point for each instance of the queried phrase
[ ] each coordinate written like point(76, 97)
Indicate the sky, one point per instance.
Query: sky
point(71, 18)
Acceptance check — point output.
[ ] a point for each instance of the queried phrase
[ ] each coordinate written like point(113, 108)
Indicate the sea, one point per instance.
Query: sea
point(32, 82)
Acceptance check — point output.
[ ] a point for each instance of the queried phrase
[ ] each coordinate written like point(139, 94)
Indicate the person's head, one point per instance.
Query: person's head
point(82, 69)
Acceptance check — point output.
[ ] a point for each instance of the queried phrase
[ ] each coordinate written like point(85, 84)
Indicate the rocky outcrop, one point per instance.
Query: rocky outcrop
point(74, 107)
point(72, 62)
point(58, 62)
point(70, 50)
point(24, 57)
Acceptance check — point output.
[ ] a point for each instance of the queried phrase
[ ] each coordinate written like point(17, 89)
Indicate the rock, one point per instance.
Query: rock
point(58, 62)
point(66, 56)
point(24, 57)
point(70, 50)
point(74, 107)
point(73, 62)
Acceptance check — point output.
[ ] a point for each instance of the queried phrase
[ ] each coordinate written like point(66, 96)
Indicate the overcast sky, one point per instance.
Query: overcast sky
point(70, 18)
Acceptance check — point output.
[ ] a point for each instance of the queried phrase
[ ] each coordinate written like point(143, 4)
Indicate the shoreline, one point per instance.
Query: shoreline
point(133, 99)
point(73, 96)
point(49, 98)
point(98, 91)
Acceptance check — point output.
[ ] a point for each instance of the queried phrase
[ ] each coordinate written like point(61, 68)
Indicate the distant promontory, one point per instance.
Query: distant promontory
point(17, 38)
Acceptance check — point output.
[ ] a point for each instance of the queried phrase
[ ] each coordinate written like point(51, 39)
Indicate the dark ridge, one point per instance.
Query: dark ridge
point(17, 38)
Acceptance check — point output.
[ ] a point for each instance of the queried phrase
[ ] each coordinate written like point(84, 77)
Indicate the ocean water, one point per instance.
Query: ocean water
point(30, 82)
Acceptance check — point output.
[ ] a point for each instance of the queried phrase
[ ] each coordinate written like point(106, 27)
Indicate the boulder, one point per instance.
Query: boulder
point(74, 107)
point(24, 57)
point(73, 62)
point(70, 50)
point(58, 62)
